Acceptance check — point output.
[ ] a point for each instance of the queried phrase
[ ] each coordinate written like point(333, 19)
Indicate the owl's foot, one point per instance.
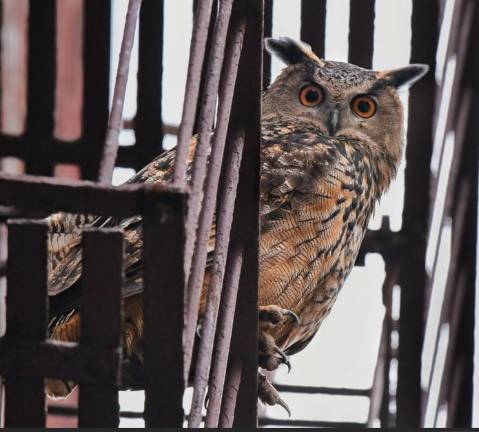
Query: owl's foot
point(270, 356)
point(269, 395)
point(271, 316)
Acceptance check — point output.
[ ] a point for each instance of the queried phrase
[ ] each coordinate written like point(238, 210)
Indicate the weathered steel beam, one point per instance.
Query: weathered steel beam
point(27, 314)
point(163, 300)
point(50, 195)
point(101, 322)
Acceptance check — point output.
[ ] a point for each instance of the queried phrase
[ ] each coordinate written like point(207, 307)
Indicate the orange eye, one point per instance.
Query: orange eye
point(310, 96)
point(364, 106)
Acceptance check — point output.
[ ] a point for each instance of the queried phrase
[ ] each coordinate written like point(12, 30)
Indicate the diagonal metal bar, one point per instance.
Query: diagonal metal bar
point(197, 54)
point(216, 282)
point(228, 79)
point(110, 149)
point(199, 170)
point(223, 336)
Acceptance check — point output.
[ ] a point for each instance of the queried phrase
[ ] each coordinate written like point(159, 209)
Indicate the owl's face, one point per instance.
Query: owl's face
point(340, 99)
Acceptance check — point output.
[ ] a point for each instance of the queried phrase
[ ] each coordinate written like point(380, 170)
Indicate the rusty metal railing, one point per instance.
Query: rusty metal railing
point(225, 56)
point(237, 38)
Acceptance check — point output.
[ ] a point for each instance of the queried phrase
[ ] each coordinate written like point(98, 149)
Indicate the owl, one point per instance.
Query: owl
point(332, 140)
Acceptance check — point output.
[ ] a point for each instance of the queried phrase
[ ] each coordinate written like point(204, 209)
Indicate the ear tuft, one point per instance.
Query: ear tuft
point(290, 51)
point(405, 76)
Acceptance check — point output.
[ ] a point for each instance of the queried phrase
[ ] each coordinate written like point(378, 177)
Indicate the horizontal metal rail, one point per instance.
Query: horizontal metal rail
point(50, 195)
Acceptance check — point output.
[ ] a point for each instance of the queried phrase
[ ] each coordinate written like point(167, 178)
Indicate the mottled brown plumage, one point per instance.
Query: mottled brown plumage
point(324, 166)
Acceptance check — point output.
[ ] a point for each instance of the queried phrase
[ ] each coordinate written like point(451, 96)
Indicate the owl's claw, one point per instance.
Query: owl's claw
point(284, 358)
point(282, 403)
point(293, 316)
point(272, 317)
point(269, 395)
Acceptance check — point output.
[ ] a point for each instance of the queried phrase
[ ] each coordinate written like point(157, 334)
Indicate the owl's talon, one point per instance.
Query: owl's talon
point(293, 317)
point(284, 358)
point(282, 403)
point(269, 395)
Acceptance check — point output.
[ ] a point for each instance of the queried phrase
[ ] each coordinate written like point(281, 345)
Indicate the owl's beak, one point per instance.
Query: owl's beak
point(333, 122)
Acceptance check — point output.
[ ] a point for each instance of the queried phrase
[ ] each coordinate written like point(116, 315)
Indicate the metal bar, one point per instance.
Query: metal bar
point(202, 150)
point(461, 198)
point(230, 394)
point(223, 335)
point(380, 391)
point(463, 27)
point(55, 359)
point(313, 24)
point(26, 298)
point(196, 281)
point(268, 32)
point(164, 278)
point(41, 84)
point(415, 217)
point(361, 32)
point(247, 112)
point(379, 387)
point(224, 218)
point(447, 382)
point(204, 69)
point(101, 321)
point(107, 162)
point(148, 126)
point(197, 54)
point(334, 391)
point(266, 421)
point(96, 86)
point(50, 195)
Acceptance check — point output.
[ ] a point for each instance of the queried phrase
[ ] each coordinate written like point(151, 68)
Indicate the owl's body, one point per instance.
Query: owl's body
point(312, 225)
point(332, 139)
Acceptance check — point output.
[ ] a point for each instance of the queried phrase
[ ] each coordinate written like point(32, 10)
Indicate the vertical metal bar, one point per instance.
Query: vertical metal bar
point(361, 33)
point(164, 277)
point(313, 24)
point(208, 108)
point(96, 87)
point(197, 55)
point(27, 312)
point(248, 116)
point(379, 400)
point(148, 124)
point(101, 321)
point(41, 85)
point(268, 32)
point(415, 217)
point(110, 150)
point(223, 335)
point(230, 394)
point(227, 88)
point(224, 221)
point(204, 70)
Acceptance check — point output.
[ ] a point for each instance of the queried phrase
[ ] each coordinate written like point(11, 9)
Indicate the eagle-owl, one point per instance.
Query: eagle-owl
point(332, 139)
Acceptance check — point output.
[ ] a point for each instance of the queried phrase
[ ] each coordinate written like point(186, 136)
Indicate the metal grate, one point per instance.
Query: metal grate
point(224, 74)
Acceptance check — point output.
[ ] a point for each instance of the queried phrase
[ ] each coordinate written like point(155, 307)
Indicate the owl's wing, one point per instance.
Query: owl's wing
point(65, 262)
point(311, 201)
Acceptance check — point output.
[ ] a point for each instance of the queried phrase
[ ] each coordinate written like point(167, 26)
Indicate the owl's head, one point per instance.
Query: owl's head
point(340, 99)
